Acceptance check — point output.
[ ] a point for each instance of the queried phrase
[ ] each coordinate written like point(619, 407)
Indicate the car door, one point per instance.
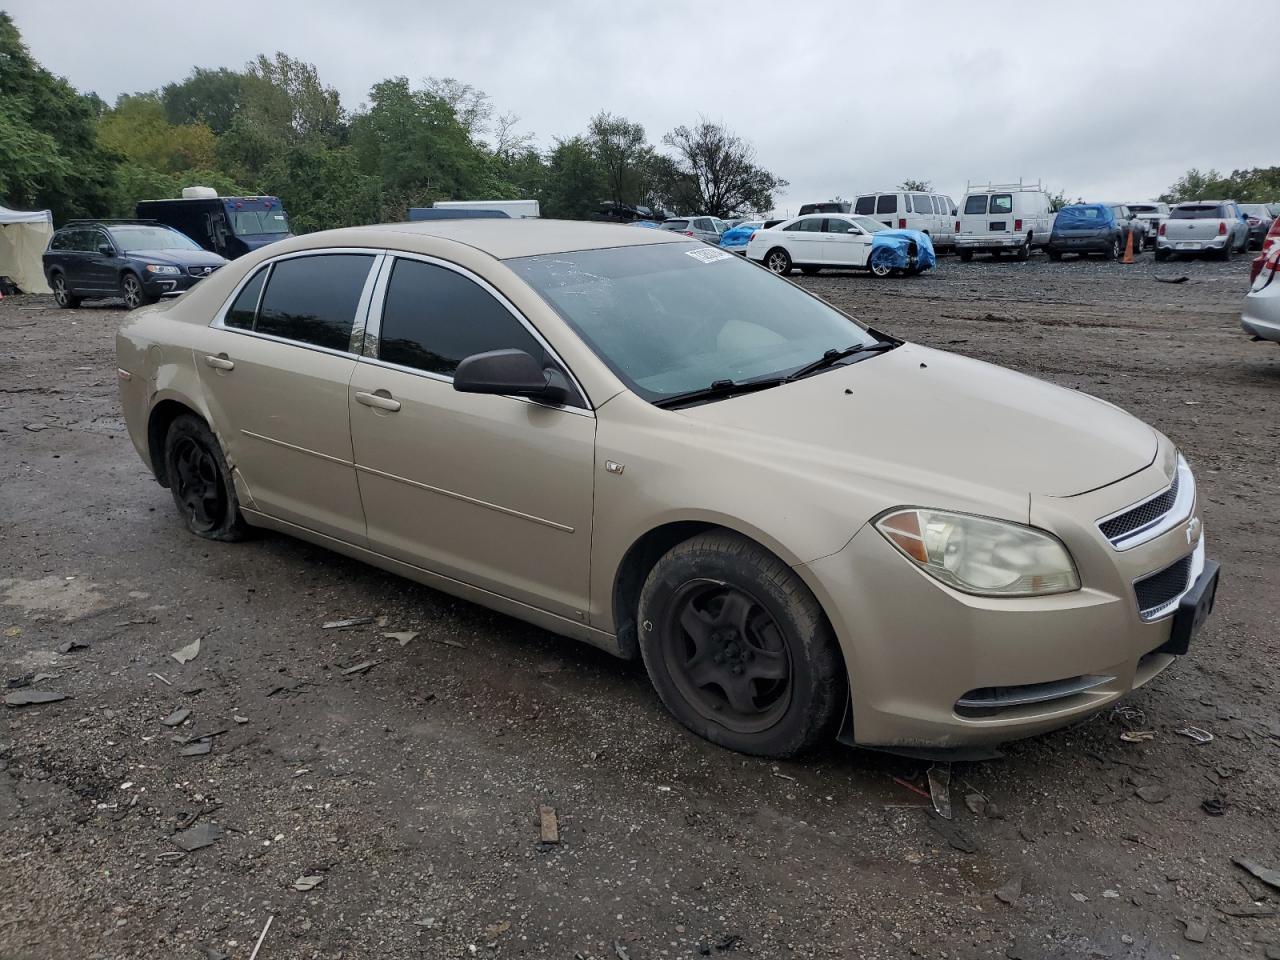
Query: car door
point(804, 240)
point(844, 244)
point(102, 263)
point(492, 491)
point(275, 368)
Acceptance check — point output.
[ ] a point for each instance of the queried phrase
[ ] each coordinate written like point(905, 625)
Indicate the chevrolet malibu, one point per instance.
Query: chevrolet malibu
point(805, 527)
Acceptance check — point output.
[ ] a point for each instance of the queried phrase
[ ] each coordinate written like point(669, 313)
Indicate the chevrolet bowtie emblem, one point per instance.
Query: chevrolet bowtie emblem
point(1193, 530)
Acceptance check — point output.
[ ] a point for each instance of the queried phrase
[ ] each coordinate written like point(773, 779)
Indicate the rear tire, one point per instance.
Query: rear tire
point(966, 256)
point(810, 271)
point(1162, 254)
point(1055, 256)
point(62, 295)
point(1227, 252)
point(1024, 251)
point(200, 481)
point(738, 649)
point(778, 261)
point(1115, 250)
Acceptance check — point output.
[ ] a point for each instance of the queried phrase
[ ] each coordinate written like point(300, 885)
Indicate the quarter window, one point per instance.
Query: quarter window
point(887, 203)
point(434, 317)
point(313, 299)
point(245, 309)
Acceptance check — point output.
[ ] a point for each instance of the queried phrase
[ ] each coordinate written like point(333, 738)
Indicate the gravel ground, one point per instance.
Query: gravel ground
point(412, 790)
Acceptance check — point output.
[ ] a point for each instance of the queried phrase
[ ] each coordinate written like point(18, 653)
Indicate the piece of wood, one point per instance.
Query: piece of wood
point(550, 825)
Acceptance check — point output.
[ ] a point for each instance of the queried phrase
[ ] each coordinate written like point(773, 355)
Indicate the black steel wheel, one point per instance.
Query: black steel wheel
point(62, 295)
point(200, 481)
point(739, 649)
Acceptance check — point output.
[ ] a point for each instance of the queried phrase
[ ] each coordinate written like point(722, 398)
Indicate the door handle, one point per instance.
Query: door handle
point(220, 362)
point(379, 400)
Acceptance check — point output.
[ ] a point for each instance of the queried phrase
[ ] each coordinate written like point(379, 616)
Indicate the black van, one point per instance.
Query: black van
point(228, 226)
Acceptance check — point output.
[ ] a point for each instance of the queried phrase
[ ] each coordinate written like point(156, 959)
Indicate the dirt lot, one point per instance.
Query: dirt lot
point(413, 789)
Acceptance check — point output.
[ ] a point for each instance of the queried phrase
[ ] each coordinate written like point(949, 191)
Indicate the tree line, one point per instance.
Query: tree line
point(275, 128)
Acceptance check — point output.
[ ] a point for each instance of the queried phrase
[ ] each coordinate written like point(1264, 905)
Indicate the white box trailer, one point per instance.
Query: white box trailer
point(515, 209)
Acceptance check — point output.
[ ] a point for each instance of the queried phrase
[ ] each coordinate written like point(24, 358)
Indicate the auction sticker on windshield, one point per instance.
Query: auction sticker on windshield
point(710, 254)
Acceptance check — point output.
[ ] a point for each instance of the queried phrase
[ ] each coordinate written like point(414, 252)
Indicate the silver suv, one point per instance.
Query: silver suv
point(704, 228)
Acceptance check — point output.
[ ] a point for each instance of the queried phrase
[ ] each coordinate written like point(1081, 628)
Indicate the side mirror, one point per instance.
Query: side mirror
point(106, 249)
point(509, 372)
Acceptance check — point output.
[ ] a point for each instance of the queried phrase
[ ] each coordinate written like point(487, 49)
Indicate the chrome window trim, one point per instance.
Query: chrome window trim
point(361, 311)
point(1168, 609)
point(373, 329)
point(1183, 506)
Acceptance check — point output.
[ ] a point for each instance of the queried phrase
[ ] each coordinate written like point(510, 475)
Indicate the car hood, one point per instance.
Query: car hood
point(180, 258)
point(937, 419)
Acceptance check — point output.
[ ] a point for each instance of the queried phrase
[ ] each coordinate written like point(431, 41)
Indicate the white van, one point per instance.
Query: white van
point(1017, 217)
point(929, 213)
point(515, 209)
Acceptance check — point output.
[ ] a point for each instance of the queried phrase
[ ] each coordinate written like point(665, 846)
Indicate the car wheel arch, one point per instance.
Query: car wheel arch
point(166, 408)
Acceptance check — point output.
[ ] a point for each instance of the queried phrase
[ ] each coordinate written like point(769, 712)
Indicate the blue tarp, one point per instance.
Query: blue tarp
point(736, 238)
point(649, 224)
point(893, 246)
point(1085, 216)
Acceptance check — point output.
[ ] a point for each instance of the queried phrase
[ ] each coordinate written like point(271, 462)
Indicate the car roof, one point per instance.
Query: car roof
point(501, 238)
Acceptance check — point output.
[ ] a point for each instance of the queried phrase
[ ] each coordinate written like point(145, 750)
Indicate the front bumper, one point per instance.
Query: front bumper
point(159, 285)
point(921, 657)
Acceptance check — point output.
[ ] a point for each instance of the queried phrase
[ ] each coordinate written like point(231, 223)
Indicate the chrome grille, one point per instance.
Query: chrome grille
point(1144, 514)
point(200, 271)
point(1157, 590)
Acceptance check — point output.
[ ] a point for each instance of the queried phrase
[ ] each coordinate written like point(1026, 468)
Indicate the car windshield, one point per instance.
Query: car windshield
point(247, 223)
point(670, 318)
point(142, 237)
point(1202, 211)
point(869, 225)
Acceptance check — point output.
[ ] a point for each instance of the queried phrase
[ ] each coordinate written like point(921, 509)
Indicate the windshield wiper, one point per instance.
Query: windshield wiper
point(718, 390)
point(833, 356)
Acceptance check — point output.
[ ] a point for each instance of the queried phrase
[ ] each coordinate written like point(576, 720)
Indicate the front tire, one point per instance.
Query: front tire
point(966, 256)
point(778, 261)
point(62, 294)
point(1055, 255)
point(1162, 254)
point(132, 293)
point(738, 649)
point(200, 481)
point(1114, 251)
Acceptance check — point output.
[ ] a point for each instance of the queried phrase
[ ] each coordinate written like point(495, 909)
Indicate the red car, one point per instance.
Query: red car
point(1269, 244)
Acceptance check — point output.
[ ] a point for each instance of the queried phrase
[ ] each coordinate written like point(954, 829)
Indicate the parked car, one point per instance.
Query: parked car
point(1261, 316)
point(704, 228)
point(227, 226)
point(139, 261)
point(1269, 244)
point(1259, 218)
point(1085, 228)
point(736, 237)
point(1203, 226)
point(1151, 213)
point(998, 218)
point(828, 206)
point(814, 242)
point(930, 213)
point(654, 447)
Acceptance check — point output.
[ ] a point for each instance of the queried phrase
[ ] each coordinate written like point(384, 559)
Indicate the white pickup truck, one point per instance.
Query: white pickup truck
point(1152, 213)
point(1203, 226)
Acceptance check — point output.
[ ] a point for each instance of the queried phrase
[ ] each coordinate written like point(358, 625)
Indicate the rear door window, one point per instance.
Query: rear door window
point(433, 318)
point(887, 203)
point(313, 299)
point(1001, 203)
point(922, 203)
point(976, 204)
point(865, 206)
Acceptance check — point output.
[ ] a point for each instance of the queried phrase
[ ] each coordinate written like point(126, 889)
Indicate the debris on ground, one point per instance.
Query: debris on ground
point(1247, 910)
point(1265, 874)
point(30, 698)
point(239, 719)
point(1010, 891)
point(620, 951)
point(166, 682)
point(976, 803)
point(344, 624)
point(449, 643)
point(495, 930)
point(198, 837)
point(197, 749)
point(956, 837)
point(177, 718)
point(1153, 792)
point(940, 789)
point(403, 637)
point(1196, 931)
point(1172, 279)
point(1214, 806)
point(36, 427)
point(308, 883)
point(211, 953)
point(71, 646)
point(262, 936)
point(1080, 897)
point(1196, 734)
point(363, 666)
point(188, 653)
point(1138, 736)
point(549, 825)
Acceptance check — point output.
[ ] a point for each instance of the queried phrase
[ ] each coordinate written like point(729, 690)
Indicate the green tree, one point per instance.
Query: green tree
point(1257, 185)
point(138, 129)
point(323, 187)
point(722, 167)
point(623, 153)
point(49, 152)
point(916, 186)
point(211, 97)
point(1194, 185)
point(575, 182)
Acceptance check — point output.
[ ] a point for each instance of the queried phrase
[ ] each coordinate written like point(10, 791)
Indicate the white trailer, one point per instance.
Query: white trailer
point(515, 209)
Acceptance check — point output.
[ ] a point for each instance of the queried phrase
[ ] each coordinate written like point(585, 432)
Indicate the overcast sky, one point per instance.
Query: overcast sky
point(1107, 100)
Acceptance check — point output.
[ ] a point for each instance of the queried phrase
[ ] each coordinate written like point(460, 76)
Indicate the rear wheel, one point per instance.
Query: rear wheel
point(62, 295)
point(1055, 255)
point(778, 261)
point(1162, 254)
point(1024, 251)
point(1227, 251)
point(738, 648)
point(966, 256)
point(200, 481)
point(132, 293)
point(1114, 251)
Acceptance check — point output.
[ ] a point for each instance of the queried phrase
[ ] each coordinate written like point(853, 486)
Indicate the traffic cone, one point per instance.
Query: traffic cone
point(1128, 248)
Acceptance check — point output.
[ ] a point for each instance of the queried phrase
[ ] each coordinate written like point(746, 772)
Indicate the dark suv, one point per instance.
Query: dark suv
point(137, 260)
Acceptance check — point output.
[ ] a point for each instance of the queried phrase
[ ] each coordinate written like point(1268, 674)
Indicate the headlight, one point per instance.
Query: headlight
point(980, 555)
point(163, 269)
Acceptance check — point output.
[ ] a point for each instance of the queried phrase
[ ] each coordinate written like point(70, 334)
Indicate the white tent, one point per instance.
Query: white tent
point(23, 238)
